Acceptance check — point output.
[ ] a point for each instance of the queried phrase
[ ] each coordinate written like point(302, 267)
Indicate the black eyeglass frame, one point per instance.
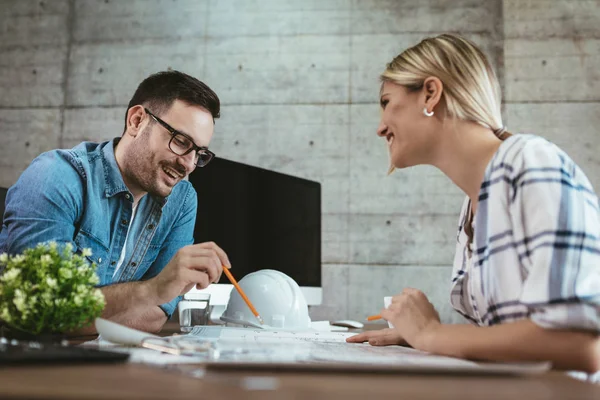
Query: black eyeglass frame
point(200, 150)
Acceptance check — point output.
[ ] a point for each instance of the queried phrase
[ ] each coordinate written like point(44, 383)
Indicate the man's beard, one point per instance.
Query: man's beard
point(141, 170)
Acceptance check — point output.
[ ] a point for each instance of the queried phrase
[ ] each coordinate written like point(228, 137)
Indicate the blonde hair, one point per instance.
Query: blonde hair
point(471, 89)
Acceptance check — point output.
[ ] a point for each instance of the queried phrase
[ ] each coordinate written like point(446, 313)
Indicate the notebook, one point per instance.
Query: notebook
point(13, 353)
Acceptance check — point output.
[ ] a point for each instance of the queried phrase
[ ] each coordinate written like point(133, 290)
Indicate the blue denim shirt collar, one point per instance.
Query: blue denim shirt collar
point(113, 179)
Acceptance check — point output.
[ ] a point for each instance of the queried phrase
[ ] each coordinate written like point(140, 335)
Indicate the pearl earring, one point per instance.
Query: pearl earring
point(427, 113)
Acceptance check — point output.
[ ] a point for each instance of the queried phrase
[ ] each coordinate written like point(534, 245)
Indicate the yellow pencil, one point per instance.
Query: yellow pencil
point(241, 292)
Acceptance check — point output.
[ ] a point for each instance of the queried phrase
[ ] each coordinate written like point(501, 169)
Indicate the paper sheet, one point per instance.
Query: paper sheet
point(236, 346)
point(143, 356)
point(246, 335)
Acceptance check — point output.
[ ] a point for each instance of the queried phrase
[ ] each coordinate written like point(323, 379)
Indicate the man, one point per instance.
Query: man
point(126, 201)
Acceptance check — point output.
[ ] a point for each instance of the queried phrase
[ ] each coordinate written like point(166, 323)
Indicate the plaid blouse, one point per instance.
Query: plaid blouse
point(536, 246)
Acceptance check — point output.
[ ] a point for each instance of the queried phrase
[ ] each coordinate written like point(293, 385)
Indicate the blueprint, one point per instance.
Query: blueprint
point(270, 348)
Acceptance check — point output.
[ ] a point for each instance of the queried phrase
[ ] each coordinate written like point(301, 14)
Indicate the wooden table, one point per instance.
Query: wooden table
point(135, 381)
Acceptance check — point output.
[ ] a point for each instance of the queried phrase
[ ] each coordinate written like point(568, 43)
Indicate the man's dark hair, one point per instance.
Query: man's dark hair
point(159, 91)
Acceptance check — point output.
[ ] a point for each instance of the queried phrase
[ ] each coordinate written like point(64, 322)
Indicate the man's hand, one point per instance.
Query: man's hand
point(195, 265)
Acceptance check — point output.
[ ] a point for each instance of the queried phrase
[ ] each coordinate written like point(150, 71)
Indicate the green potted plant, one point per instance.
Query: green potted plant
point(48, 291)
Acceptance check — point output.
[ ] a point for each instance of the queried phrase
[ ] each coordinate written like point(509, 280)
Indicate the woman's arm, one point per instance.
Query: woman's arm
point(417, 323)
point(516, 341)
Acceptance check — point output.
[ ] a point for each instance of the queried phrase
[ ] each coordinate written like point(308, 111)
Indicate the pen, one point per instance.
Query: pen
point(373, 317)
point(241, 292)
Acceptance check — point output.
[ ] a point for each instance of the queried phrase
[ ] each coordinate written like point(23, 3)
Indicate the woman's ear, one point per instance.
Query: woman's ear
point(136, 117)
point(432, 92)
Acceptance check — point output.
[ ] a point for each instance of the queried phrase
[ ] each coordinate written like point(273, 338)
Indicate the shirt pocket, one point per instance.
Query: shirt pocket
point(99, 255)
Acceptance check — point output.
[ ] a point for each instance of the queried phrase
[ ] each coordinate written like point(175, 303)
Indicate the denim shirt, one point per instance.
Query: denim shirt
point(78, 196)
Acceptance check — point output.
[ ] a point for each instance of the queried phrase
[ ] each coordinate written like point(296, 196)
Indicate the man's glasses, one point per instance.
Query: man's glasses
point(181, 144)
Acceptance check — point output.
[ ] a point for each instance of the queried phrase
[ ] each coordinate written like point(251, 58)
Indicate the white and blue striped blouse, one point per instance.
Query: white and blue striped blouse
point(536, 246)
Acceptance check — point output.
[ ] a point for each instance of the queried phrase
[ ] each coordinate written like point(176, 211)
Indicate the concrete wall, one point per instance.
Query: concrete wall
point(298, 83)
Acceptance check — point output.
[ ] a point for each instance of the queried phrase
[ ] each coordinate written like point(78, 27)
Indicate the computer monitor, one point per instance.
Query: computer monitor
point(263, 220)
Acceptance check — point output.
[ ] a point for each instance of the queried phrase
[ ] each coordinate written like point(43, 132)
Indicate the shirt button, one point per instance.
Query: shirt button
point(99, 259)
point(133, 264)
point(127, 196)
point(124, 221)
point(151, 226)
point(113, 263)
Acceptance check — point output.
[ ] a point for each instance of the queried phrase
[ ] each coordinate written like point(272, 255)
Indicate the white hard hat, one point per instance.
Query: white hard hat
point(277, 298)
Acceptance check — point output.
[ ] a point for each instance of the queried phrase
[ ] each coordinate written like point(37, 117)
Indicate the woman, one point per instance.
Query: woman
point(527, 265)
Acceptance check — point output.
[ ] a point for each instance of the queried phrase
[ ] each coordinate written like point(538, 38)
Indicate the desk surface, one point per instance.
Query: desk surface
point(129, 381)
point(132, 381)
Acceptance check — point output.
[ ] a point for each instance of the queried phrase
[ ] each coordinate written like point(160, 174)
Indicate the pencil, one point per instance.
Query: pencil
point(373, 317)
point(241, 292)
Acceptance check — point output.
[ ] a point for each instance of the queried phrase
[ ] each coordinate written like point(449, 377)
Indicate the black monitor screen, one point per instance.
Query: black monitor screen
point(262, 219)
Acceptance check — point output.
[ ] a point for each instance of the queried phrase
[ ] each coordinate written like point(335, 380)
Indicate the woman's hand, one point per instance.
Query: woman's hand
point(413, 316)
point(383, 337)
